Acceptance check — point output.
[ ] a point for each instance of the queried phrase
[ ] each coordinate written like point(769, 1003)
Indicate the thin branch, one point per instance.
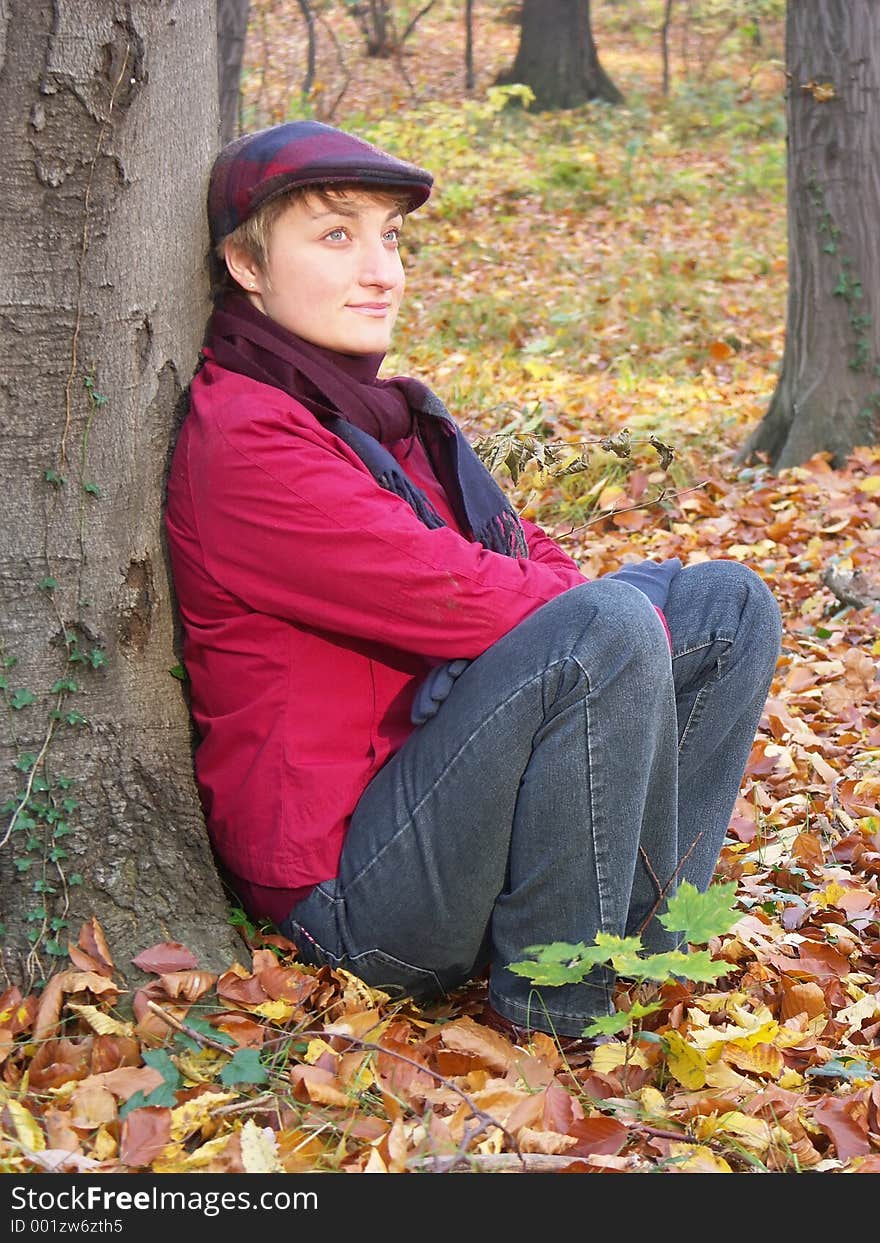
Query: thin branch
point(309, 19)
point(665, 494)
point(485, 1119)
point(201, 1039)
point(342, 65)
point(411, 25)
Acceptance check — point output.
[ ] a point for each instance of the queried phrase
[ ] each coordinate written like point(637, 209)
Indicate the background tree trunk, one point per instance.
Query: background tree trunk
point(232, 21)
point(110, 126)
point(557, 56)
point(828, 395)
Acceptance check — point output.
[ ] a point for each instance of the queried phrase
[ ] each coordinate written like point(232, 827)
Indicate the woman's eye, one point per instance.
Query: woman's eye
point(393, 236)
point(336, 235)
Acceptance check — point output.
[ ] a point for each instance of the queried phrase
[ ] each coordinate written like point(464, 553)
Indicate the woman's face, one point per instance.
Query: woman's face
point(333, 273)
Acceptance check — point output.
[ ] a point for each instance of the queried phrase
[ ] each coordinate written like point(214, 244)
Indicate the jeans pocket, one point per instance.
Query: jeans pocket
point(393, 975)
point(375, 967)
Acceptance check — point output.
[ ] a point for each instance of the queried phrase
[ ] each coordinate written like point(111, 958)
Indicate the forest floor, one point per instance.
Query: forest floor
point(610, 272)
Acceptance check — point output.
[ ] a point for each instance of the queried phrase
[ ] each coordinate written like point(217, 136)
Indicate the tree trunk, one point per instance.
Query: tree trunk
point(110, 126)
point(828, 394)
point(557, 56)
point(232, 21)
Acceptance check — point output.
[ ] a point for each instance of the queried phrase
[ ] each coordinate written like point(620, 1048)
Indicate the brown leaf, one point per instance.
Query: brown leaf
point(109, 1052)
point(166, 956)
point(92, 940)
point(59, 1061)
point(59, 1132)
point(599, 1134)
point(544, 1141)
point(321, 1086)
point(561, 1109)
point(247, 991)
point(821, 961)
point(91, 1104)
point(145, 1134)
point(246, 1032)
point(492, 1048)
point(49, 1010)
point(187, 985)
point(127, 1080)
point(844, 1120)
point(287, 983)
point(807, 998)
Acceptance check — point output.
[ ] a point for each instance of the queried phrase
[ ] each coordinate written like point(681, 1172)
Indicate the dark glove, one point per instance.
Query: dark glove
point(653, 578)
point(434, 690)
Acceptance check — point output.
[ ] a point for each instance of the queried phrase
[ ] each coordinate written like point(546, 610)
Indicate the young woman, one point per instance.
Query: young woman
point(426, 740)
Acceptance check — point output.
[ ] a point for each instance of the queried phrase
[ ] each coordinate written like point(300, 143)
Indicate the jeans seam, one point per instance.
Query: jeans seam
point(588, 735)
point(699, 698)
point(697, 647)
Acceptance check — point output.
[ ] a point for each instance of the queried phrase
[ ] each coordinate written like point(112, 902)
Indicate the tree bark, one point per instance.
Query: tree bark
point(110, 111)
point(557, 56)
point(469, 78)
point(828, 394)
point(232, 22)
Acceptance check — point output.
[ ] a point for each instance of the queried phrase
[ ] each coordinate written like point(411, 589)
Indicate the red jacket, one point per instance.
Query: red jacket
point(313, 603)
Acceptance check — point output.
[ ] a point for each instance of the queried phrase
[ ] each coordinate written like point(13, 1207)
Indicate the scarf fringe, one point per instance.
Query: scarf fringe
point(503, 533)
point(398, 483)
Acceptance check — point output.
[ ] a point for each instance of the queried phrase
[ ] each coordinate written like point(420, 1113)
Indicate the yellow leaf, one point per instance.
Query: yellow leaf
point(713, 1038)
point(759, 1059)
point(754, 1132)
point(698, 1160)
point(653, 1102)
point(723, 1077)
point(200, 1065)
point(27, 1129)
point(870, 485)
point(192, 1115)
point(176, 1160)
point(359, 996)
point(316, 1049)
point(791, 1080)
point(365, 1024)
point(608, 1057)
point(104, 1145)
point(686, 1064)
point(609, 495)
point(259, 1149)
point(101, 1022)
point(275, 1011)
point(538, 370)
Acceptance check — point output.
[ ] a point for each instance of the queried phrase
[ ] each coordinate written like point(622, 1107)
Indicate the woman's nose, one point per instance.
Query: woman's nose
point(380, 266)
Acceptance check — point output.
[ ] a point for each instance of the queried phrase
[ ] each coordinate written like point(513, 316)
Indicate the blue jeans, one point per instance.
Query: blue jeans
point(577, 771)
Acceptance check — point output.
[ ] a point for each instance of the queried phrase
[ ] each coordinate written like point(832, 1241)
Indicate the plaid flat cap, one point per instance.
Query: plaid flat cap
point(254, 168)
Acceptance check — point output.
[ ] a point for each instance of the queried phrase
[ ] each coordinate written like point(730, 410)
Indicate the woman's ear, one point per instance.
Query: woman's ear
point(242, 267)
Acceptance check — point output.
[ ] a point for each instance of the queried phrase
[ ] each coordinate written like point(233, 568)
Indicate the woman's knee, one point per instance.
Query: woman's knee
point(607, 615)
point(759, 625)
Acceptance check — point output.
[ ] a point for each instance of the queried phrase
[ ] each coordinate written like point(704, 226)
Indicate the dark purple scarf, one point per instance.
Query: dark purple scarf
point(343, 392)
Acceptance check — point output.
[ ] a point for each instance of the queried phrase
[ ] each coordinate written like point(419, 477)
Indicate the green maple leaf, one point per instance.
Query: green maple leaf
point(701, 916)
point(245, 1067)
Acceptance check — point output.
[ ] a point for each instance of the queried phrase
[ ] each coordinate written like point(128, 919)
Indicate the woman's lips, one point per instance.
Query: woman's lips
point(375, 310)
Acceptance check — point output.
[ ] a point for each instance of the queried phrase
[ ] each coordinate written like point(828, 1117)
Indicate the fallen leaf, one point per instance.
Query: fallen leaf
point(145, 1134)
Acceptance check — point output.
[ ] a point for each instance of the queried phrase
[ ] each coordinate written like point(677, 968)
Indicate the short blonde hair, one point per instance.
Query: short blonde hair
point(254, 234)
